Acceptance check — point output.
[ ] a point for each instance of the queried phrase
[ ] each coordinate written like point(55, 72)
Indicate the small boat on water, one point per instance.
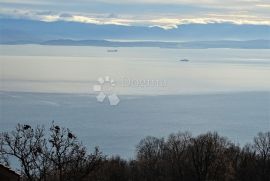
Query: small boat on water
point(112, 50)
point(184, 60)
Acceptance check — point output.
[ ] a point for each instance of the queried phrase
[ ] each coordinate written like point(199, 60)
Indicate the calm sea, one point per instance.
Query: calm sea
point(224, 90)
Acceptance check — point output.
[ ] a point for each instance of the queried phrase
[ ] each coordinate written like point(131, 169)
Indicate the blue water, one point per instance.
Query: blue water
point(117, 130)
point(223, 90)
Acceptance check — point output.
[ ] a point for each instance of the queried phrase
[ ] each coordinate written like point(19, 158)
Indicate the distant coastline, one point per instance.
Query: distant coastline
point(249, 44)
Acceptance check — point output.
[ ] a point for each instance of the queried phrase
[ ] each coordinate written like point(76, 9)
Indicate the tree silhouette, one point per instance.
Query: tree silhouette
point(57, 157)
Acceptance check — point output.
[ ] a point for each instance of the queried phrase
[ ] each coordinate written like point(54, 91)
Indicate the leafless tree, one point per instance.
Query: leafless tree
point(55, 156)
point(27, 145)
point(150, 154)
point(207, 154)
point(176, 146)
point(262, 148)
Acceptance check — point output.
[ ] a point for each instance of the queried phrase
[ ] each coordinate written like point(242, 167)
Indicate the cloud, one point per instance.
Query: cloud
point(159, 21)
point(263, 5)
point(208, 3)
point(129, 12)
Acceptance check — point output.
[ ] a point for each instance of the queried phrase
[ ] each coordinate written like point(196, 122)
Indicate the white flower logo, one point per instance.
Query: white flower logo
point(105, 89)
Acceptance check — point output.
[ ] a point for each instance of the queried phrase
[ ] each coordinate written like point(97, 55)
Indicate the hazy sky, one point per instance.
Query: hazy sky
point(163, 13)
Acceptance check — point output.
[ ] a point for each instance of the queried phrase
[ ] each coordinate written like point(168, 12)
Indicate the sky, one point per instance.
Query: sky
point(165, 14)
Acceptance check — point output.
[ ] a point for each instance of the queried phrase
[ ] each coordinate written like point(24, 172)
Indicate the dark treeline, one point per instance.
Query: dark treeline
point(59, 156)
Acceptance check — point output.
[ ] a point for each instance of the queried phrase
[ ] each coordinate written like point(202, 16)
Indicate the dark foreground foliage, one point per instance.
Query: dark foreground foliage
point(58, 156)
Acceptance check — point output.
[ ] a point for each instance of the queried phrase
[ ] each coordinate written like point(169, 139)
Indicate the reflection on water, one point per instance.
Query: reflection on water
point(37, 68)
point(211, 75)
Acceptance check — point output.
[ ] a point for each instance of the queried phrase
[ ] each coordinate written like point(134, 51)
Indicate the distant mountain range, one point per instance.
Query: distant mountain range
point(251, 44)
point(215, 35)
point(36, 31)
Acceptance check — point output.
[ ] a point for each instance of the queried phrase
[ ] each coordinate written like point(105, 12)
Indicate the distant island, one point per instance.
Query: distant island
point(249, 44)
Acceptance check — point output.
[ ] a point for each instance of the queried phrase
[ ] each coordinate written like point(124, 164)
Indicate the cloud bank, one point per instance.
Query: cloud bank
point(165, 14)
